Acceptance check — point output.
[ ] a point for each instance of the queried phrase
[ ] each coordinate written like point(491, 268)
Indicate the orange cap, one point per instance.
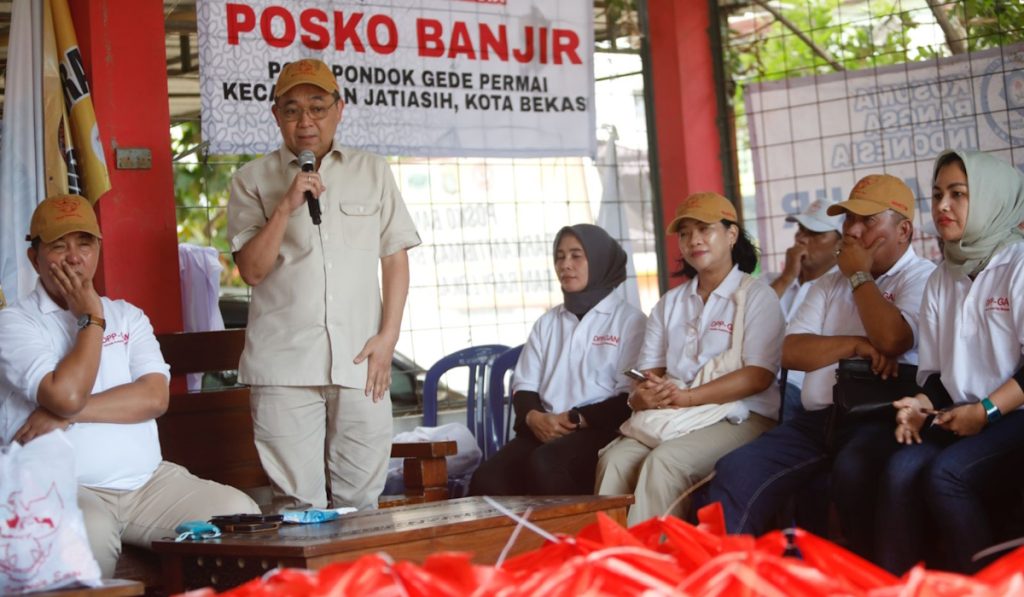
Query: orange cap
point(307, 70)
point(706, 207)
point(56, 216)
point(876, 193)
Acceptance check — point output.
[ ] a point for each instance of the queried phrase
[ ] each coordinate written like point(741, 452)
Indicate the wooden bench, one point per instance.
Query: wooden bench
point(210, 432)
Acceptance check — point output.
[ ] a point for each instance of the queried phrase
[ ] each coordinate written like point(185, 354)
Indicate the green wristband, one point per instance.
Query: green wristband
point(991, 410)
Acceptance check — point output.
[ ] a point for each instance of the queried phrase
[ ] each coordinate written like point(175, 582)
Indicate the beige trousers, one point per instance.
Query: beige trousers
point(170, 497)
point(658, 477)
point(301, 431)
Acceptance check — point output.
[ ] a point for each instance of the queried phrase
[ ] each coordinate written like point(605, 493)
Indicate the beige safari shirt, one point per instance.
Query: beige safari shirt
point(316, 309)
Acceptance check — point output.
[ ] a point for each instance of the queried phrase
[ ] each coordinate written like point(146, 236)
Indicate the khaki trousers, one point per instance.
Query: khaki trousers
point(658, 477)
point(170, 497)
point(299, 430)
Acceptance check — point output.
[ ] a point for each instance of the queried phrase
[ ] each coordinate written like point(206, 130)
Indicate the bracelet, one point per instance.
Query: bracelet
point(991, 410)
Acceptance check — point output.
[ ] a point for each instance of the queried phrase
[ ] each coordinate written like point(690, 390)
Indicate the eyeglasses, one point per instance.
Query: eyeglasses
point(293, 113)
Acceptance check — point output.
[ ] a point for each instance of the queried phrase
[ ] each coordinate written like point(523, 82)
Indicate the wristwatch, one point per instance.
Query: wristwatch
point(859, 278)
point(87, 320)
point(991, 410)
point(575, 417)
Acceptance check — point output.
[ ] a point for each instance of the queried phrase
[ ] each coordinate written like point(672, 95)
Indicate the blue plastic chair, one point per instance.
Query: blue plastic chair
point(498, 424)
point(478, 359)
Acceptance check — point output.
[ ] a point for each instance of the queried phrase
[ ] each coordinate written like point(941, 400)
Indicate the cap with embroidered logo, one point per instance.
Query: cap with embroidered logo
point(876, 193)
point(56, 216)
point(706, 207)
point(306, 71)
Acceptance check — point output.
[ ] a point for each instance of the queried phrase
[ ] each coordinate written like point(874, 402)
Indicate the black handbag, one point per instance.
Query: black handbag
point(860, 396)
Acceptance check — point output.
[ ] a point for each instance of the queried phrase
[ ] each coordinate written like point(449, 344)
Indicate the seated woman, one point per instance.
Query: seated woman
point(568, 390)
point(688, 328)
point(971, 345)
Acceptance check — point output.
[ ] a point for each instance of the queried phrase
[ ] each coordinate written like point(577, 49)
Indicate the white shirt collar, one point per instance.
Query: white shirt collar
point(42, 299)
point(901, 264)
point(725, 288)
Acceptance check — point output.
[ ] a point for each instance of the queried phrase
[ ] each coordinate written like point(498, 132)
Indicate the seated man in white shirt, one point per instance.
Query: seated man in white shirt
point(812, 255)
point(73, 360)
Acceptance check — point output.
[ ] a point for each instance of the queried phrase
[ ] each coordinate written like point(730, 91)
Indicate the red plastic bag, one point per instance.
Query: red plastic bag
point(855, 572)
point(756, 573)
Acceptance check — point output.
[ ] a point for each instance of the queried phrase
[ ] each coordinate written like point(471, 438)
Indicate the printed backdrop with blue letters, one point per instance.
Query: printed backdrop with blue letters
point(816, 136)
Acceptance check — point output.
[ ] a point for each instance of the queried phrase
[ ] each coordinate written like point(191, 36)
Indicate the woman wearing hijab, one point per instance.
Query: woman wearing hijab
point(688, 330)
point(964, 435)
point(568, 390)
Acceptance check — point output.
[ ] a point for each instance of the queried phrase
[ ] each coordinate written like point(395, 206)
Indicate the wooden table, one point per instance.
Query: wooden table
point(110, 588)
point(406, 533)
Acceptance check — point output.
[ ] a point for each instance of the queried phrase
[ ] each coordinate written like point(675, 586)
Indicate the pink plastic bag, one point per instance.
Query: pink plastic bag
point(44, 545)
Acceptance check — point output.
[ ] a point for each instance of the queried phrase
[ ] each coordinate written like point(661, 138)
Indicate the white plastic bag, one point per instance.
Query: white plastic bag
point(652, 427)
point(43, 544)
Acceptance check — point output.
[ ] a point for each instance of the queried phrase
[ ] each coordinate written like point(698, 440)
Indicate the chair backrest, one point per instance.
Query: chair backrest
point(499, 400)
point(209, 432)
point(478, 360)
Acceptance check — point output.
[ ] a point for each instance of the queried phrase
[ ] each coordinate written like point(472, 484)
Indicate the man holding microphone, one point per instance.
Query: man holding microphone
point(320, 338)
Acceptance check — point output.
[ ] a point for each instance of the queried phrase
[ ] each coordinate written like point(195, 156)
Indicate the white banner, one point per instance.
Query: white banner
point(418, 77)
point(22, 182)
point(816, 136)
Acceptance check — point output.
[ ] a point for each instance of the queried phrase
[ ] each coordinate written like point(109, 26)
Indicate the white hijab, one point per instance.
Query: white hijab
point(996, 208)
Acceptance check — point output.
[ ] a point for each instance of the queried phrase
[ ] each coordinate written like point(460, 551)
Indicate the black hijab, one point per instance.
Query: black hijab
point(606, 266)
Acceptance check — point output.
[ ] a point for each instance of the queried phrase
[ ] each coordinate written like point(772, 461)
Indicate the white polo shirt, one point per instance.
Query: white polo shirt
point(35, 334)
point(683, 333)
point(973, 332)
point(829, 310)
point(791, 300)
point(573, 362)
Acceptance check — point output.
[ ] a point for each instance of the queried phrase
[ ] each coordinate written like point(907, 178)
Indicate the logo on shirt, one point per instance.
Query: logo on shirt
point(606, 340)
point(889, 297)
point(115, 338)
point(720, 326)
point(997, 303)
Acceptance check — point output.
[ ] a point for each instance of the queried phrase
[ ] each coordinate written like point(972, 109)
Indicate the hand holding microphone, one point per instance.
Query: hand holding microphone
point(307, 161)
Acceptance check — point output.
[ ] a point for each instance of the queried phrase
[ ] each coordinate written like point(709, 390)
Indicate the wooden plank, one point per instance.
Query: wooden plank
point(111, 587)
point(406, 533)
point(198, 352)
point(424, 449)
point(392, 526)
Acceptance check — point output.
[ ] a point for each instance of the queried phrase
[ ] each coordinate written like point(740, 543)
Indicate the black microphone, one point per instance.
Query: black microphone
point(307, 161)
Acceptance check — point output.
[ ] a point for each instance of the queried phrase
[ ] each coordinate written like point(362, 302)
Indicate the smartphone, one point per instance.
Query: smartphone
point(634, 373)
point(247, 523)
point(245, 518)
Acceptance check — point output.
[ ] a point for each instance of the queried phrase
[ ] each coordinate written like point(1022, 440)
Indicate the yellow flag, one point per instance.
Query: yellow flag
point(56, 136)
point(83, 159)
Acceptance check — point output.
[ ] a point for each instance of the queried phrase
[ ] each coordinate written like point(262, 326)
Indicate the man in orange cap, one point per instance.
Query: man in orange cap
point(321, 333)
point(73, 360)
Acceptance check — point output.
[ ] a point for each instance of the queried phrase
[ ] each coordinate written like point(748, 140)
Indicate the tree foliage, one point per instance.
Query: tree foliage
point(858, 36)
point(201, 186)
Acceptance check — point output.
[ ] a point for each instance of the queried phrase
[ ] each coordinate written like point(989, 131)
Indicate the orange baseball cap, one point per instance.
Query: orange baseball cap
point(706, 207)
point(876, 193)
point(307, 70)
point(56, 216)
